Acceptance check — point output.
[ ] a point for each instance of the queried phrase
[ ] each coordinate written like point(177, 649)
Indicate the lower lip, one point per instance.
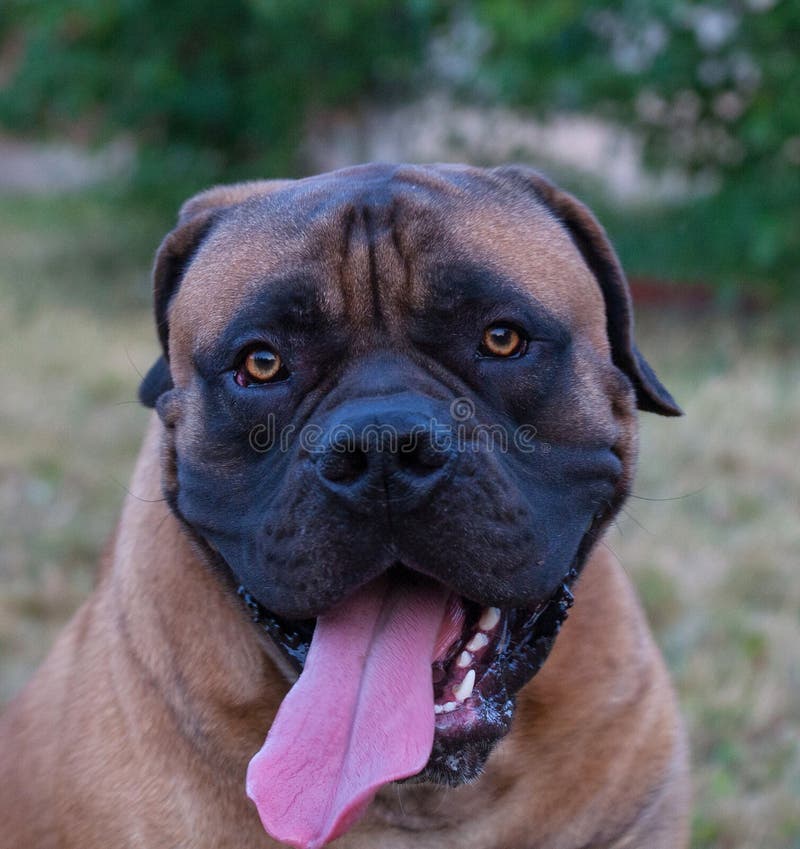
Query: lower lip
point(461, 717)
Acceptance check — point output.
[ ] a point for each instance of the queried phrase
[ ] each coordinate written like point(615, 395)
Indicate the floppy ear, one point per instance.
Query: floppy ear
point(155, 383)
point(196, 220)
point(591, 240)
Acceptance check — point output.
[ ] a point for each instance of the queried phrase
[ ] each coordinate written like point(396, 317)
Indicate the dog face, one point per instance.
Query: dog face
point(404, 371)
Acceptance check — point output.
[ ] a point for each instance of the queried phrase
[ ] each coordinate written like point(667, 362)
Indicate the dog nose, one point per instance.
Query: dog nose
point(371, 458)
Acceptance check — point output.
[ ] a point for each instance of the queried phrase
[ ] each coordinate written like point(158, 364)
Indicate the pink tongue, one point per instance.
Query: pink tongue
point(360, 715)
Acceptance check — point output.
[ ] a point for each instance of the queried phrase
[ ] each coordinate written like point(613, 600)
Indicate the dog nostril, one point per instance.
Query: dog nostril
point(420, 457)
point(342, 466)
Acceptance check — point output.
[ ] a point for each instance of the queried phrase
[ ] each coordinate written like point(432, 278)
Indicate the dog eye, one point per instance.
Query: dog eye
point(500, 340)
point(261, 365)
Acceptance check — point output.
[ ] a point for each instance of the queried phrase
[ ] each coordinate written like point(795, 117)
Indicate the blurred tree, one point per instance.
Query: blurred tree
point(710, 87)
point(204, 86)
point(214, 90)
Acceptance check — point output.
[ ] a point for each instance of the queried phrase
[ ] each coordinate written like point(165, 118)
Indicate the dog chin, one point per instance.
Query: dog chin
point(460, 760)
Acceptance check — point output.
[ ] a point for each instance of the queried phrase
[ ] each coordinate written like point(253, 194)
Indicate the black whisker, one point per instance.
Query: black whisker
point(672, 497)
point(138, 497)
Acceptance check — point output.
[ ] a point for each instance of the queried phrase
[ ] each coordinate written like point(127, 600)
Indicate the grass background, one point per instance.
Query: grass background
point(711, 536)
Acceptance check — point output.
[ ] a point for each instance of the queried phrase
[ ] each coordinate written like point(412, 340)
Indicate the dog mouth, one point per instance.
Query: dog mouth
point(403, 679)
point(483, 655)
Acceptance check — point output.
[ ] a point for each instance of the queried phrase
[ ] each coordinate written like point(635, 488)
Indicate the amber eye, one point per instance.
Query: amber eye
point(500, 340)
point(261, 365)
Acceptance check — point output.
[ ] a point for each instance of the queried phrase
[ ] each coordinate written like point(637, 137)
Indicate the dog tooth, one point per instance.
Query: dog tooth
point(464, 659)
point(490, 618)
point(479, 641)
point(449, 707)
point(464, 689)
point(438, 708)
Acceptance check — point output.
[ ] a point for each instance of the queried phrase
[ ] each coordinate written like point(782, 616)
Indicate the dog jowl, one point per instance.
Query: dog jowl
point(446, 361)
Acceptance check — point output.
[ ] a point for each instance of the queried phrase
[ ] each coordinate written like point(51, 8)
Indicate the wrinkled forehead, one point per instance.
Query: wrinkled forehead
point(361, 237)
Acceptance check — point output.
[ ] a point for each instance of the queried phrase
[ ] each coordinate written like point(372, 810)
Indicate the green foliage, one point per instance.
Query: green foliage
point(220, 90)
point(710, 87)
point(205, 86)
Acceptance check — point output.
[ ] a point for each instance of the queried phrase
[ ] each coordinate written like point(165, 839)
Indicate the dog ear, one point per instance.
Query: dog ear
point(591, 240)
point(155, 383)
point(196, 220)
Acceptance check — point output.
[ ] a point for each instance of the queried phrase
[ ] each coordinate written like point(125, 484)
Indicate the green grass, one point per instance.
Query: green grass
point(711, 537)
point(75, 333)
point(716, 556)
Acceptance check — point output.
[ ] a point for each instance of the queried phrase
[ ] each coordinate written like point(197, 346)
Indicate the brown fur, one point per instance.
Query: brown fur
point(138, 728)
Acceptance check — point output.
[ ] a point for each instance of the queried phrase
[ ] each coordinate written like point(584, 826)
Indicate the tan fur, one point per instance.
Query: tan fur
point(137, 730)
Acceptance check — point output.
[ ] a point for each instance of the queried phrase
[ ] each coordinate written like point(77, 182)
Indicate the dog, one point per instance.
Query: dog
point(394, 415)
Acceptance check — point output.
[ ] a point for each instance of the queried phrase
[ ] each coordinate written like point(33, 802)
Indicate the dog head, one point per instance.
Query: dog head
point(401, 374)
